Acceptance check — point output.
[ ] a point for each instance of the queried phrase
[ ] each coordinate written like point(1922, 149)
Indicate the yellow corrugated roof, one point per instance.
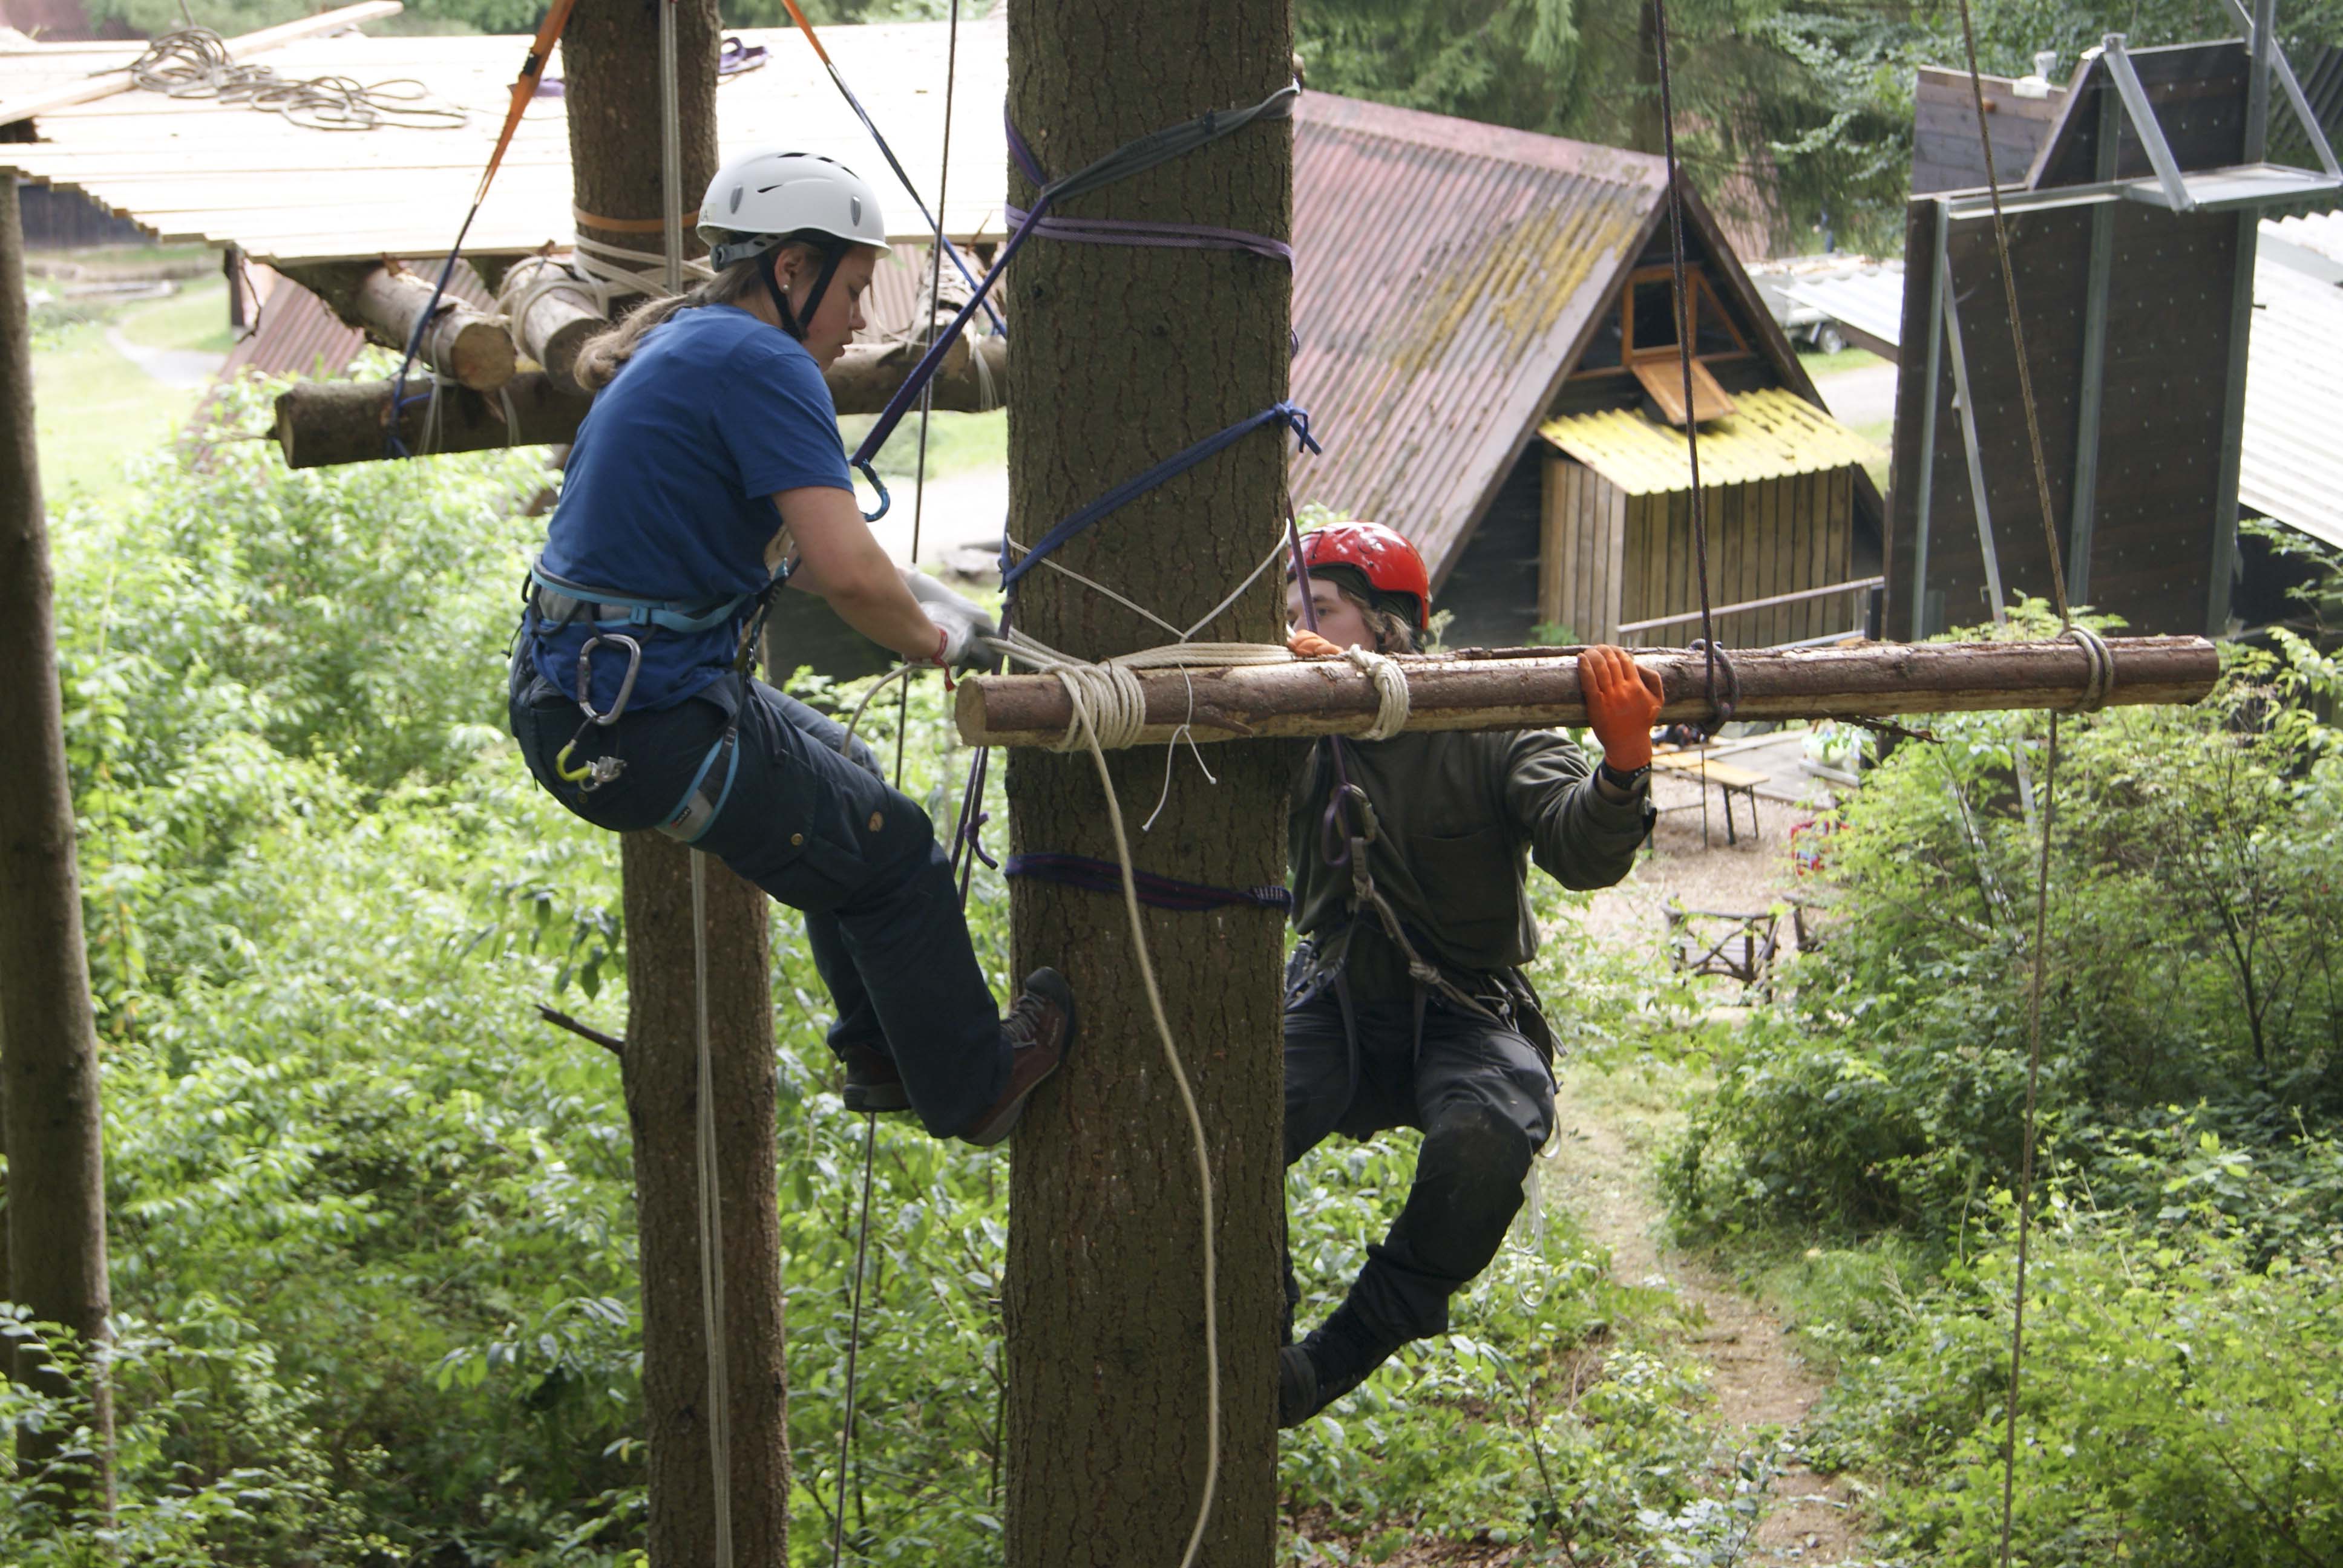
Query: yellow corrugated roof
point(1768, 436)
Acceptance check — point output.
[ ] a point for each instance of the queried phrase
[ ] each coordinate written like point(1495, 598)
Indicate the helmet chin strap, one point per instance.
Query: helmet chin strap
point(769, 271)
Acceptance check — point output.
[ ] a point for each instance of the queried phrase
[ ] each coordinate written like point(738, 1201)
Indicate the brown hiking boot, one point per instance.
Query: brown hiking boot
point(872, 1082)
point(1040, 1029)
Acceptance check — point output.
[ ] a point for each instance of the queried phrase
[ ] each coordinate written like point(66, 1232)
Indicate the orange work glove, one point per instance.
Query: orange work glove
point(1623, 699)
point(1309, 645)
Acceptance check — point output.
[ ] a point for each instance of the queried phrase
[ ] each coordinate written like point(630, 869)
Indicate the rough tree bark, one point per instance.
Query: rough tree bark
point(1123, 357)
point(48, 1031)
point(610, 57)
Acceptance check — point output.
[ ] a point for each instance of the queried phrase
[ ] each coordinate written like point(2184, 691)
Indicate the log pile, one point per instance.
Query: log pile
point(1529, 688)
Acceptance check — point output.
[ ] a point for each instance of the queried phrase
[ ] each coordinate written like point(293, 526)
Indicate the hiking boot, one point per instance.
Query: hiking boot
point(872, 1083)
point(1333, 1360)
point(1040, 1029)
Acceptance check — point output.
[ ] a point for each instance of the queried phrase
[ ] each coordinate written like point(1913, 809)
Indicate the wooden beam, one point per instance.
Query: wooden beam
point(107, 84)
point(320, 424)
point(551, 315)
point(468, 344)
point(1535, 689)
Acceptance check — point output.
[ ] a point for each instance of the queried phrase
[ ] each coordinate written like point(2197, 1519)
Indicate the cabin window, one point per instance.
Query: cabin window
point(1645, 323)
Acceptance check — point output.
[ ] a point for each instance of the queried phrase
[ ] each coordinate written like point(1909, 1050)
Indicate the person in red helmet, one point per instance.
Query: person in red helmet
point(1405, 1001)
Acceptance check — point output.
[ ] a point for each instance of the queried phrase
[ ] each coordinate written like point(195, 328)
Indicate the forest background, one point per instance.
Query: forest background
point(372, 1222)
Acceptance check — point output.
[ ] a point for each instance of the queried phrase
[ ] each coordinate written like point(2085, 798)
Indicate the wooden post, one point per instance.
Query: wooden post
point(1537, 688)
point(48, 1030)
point(610, 57)
point(320, 424)
point(1123, 357)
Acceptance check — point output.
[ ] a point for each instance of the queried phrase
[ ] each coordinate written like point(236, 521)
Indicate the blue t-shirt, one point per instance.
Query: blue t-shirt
point(668, 494)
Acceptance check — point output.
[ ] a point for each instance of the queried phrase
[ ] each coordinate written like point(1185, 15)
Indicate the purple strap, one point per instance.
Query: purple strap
point(1155, 892)
point(1132, 231)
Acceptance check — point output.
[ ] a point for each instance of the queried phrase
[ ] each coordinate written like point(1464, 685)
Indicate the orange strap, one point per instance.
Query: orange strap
point(524, 88)
point(805, 27)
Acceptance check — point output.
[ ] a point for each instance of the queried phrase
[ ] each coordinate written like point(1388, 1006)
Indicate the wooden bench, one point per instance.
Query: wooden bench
point(1726, 943)
point(1728, 780)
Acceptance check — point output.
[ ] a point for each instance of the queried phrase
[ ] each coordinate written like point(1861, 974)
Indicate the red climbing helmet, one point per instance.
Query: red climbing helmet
point(1383, 555)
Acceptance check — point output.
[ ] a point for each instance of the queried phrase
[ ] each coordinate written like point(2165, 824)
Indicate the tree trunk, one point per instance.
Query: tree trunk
point(1123, 357)
point(1647, 136)
point(49, 1033)
point(661, 1074)
point(610, 57)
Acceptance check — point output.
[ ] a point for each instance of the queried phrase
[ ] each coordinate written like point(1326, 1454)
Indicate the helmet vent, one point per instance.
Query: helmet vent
point(737, 191)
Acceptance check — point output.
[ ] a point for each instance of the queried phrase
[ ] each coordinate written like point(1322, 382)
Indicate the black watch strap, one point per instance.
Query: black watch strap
point(1630, 781)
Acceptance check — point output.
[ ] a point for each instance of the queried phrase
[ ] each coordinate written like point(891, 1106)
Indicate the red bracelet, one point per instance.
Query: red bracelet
point(943, 641)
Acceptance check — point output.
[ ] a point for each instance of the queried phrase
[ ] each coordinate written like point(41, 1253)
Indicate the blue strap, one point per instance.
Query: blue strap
point(1290, 415)
point(1132, 157)
point(1157, 892)
point(667, 615)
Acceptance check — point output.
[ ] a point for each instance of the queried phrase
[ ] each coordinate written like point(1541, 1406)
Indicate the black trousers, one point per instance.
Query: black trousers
point(1482, 1098)
point(819, 829)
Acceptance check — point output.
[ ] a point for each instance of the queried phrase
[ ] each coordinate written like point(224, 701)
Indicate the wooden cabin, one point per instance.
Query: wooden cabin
point(1510, 396)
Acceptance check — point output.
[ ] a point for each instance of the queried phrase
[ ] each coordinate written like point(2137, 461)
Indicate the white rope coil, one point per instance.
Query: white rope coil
point(1107, 698)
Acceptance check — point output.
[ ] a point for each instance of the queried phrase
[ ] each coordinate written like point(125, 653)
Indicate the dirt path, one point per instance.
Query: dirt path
point(1602, 1166)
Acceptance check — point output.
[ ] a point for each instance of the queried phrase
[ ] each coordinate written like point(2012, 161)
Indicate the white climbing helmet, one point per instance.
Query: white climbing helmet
point(760, 198)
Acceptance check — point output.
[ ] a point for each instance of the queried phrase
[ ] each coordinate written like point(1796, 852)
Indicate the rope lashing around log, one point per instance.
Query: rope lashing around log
point(1137, 157)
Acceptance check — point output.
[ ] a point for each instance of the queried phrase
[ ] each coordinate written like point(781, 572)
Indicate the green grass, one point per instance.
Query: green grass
point(195, 318)
point(1844, 360)
point(143, 260)
point(94, 410)
point(957, 443)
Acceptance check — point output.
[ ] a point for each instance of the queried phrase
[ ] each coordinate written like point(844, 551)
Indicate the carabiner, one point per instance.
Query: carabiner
point(586, 676)
point(885, 500)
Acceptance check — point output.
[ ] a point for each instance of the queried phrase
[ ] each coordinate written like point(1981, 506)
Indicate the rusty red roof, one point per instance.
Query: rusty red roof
point(1447, 273)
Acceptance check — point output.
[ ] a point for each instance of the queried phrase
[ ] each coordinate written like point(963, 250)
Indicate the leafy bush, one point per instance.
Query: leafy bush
point(2195, 955)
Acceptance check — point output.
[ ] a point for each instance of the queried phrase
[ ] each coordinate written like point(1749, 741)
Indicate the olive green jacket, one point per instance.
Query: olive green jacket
point(1457, 816)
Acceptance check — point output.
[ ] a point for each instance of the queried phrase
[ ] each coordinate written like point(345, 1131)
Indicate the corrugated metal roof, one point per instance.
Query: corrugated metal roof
point(1770, 435)
point(219, 172)
point(1445, 272)
point(2290, 467)
point(1869, 302)
point(2319, 231)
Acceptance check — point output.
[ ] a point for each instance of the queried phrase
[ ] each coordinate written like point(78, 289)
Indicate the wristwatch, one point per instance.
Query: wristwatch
point(1628, 782)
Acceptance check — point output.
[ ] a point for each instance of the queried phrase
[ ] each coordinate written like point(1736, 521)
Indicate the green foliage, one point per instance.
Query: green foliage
point(2180, 1394)
point(2196, 954)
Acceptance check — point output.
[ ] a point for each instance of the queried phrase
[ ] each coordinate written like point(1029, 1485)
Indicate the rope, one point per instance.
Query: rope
point(2100, 680)
point(934, 220)
point(1132, 157)
point(1391, 692)
point(1110, 705)
point(1120, 231)
point(711, 1238)
point(1719, 713)
point(193, 62)
point(854, 1337)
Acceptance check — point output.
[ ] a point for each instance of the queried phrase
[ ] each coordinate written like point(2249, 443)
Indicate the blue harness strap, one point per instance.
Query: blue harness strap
point(560, 600)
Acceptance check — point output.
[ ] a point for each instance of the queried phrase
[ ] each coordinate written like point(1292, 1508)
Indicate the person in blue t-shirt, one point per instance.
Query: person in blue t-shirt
point(709, 463)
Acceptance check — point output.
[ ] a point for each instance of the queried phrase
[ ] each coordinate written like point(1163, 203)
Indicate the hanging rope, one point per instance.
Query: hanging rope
point(712, 1325)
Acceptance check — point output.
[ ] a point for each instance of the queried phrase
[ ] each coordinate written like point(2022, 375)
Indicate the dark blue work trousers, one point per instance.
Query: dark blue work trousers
point(1483, 1099)
point(819, 829)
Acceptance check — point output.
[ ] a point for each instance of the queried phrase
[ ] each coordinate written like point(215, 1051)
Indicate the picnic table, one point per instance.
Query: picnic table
point(1694, 762)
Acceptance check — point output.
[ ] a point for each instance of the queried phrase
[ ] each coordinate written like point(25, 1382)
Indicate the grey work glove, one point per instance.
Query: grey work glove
point(964, 623)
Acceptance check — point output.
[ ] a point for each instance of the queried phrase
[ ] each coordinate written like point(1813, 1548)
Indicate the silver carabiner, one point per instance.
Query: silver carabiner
point(586, 676)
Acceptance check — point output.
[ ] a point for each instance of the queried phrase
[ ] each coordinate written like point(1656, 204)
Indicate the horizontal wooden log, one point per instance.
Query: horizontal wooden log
point(1531, 688)
point(320, 424)
point(462, 343)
